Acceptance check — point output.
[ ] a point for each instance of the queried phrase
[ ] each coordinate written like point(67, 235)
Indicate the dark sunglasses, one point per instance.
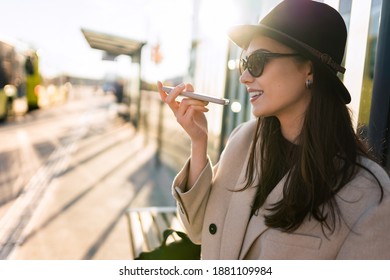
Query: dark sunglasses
point(256, 61)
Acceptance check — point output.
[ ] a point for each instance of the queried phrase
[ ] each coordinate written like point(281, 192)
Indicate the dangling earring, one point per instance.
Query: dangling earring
point(309, 83)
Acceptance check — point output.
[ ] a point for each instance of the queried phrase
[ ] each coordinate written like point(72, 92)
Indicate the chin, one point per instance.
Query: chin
point(257, 113)
point(260, 113)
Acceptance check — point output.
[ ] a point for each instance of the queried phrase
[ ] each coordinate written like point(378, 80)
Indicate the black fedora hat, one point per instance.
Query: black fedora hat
point(314, 29)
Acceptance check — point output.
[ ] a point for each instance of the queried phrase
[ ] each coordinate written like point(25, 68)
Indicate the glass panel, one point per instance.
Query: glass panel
point(345, 11)
point(365, 100)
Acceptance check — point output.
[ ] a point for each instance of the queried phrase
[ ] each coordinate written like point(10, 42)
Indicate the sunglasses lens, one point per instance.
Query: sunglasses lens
point(243, 65)
point(256, 61)
point(256, 64)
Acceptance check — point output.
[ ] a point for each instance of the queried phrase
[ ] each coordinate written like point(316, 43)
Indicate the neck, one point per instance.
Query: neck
point(291, 128)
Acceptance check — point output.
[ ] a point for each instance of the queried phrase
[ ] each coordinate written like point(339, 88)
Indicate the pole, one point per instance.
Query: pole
point(137, 120)
point(378, 129)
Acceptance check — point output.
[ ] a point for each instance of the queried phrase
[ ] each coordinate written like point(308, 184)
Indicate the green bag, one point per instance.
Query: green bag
point(183, 249)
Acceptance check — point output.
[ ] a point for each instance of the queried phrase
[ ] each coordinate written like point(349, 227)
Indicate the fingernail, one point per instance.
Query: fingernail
point(181, 85)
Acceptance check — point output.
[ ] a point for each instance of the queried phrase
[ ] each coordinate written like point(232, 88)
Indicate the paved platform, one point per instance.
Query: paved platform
point(81, 215)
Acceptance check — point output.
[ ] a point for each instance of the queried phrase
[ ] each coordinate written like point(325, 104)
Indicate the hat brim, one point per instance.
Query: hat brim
point(241, 35)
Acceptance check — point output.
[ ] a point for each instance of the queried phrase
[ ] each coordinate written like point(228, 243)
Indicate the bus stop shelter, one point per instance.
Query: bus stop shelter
point(113, 46)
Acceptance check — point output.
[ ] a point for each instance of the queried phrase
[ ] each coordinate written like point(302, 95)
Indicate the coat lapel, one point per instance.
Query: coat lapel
point(236, 223)
point(237, 218)
point(256, 225)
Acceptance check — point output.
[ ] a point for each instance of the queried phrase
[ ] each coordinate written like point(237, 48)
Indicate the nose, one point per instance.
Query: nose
point(246, 77)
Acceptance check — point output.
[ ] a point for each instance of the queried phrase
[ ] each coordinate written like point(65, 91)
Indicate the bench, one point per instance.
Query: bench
point(146, 227)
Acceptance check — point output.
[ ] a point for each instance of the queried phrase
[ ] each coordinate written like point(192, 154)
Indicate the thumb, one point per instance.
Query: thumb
point(189, 87)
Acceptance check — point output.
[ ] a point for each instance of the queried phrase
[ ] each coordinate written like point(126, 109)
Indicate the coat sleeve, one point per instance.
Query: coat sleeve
point(192, 204)
point(369, 237)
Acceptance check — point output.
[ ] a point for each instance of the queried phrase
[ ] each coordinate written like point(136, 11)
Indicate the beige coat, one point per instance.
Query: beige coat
point(219, 218)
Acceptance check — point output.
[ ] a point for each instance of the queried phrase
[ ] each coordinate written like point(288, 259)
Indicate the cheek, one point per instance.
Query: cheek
point(282, 88)
point(287, 93)
point(287, 83)
point(289, 88)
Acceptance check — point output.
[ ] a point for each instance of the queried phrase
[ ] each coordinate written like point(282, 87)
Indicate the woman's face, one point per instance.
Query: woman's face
point(280, 90)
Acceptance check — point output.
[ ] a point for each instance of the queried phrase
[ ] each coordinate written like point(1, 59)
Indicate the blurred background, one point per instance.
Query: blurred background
point(84, 136)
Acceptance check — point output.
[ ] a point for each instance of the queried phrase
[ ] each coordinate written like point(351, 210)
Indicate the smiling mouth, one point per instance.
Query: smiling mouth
point(254, 94)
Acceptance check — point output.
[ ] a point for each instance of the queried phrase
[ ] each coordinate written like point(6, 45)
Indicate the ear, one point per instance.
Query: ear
point(309, 69)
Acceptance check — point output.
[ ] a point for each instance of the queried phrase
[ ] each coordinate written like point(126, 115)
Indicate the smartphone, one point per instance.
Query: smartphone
point(200, 96)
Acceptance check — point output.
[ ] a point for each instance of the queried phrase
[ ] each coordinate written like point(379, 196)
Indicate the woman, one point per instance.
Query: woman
point(296, 183)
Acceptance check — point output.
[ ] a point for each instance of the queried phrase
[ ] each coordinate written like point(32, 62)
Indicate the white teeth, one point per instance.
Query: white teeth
point(255, 93)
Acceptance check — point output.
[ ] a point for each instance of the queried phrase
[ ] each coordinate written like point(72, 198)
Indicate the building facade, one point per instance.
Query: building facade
point(216, 58)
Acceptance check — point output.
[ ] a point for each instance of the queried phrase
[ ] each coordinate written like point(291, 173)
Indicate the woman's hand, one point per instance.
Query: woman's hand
point(189, 112)
point(190, 115)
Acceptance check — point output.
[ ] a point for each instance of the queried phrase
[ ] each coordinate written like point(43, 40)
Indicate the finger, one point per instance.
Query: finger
point(163, 94)
point(173, 104)
point(190, 88)
point(189, 116)
point(198, 108)
point(175, 93)
point(188, 102)
point(192, 101)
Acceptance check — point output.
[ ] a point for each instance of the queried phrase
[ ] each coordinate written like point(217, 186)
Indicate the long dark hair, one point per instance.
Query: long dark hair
point(322, 161)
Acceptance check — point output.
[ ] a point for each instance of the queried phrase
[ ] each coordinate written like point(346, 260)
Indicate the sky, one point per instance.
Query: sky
point(53, 27)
